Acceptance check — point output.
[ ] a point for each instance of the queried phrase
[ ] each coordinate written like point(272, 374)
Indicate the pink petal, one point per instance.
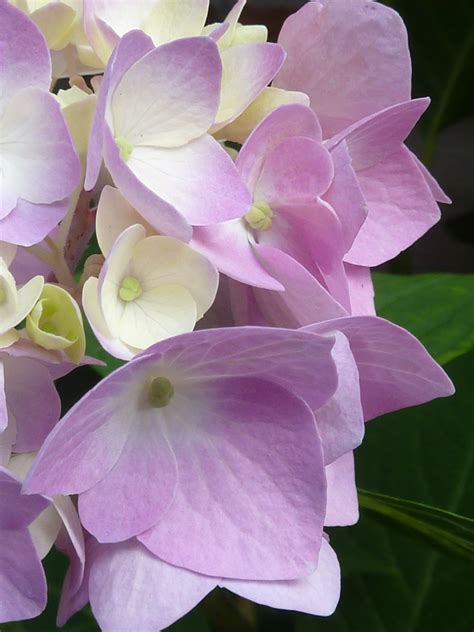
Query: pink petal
point(17, 511)
point(155, 210)
point(377, 136)
point(27, 384)
point(304, 301)
point(250, 474)
point(146, 463)
point(25, 58)
point(395, 369)
point(316, 594)
point(76, 456)
point(132, 47)
point(227, 246)
point(341, 419)
point(29, 223)
point(350, 56)
point(299, 169)
point(342, 504)
point(401, 209)
point(132, 589)
point(41, 163)
point(170, 96)
point(176, 175)
point(287, 357)
point(345, 196)
point(285, 122)
point(248, 69)
point(22, 577)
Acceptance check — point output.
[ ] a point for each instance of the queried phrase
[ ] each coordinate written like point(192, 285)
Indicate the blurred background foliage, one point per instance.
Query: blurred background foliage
point(408, 564)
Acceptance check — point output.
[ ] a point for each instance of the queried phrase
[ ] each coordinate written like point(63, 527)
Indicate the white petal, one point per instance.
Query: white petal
point(160, 313)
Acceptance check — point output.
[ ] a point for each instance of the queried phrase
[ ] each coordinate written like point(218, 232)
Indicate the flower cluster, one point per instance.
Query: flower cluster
point(239, 192)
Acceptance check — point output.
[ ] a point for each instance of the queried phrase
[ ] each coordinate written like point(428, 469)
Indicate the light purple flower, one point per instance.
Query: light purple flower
point(160, 593)
point(361, 94)
point(350, 56)
point(39, 165)
point(202, 446)
point(151, 125)
point(306, 202)
point(128, 587)
point(22, 580)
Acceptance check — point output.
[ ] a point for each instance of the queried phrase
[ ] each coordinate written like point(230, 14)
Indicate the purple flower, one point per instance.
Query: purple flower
point(40, 167)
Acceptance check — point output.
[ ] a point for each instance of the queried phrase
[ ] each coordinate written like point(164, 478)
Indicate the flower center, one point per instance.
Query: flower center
point(160, 393)
point(130, 289)
point(260, 216)
point(3, 294)
point(125, 147)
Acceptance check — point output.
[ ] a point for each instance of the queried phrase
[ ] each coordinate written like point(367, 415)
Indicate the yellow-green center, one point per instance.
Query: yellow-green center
point(3, 295)
point(260, 216)
point(130, 289)
point(125, 147)
point(160, 393)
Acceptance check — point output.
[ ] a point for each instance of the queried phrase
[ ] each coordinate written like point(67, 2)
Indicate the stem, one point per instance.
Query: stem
point(55, 259)
point(60, 267)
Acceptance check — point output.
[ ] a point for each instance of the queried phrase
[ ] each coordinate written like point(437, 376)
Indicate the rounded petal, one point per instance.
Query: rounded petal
point(159, 260)
point(151, 594)
point(161, 312)
point(73, 457)
point(177, 177)
point(170, 96)
point(175, 20)
point(346, 83)
point(114, 215)
point(93, 311)
point(304, 301)
point(32, 399)
point(21, 577)
point(246, 70)
point(29, 223)
point(317, 594)
point(25, 57)
point(130, 49)
point(39, 162)
point(140, 487)
point(227, 246)
point(268, 100)
point(395, 370)
point(299, 169)
point(401, 208)
point(250, 474)
point(283, 123)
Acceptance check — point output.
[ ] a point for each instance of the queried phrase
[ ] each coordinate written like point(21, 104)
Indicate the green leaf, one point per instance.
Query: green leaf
point(445, 530)
point(436, 308)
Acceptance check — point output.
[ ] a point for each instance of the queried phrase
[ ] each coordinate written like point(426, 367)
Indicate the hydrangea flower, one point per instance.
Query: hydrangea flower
point(365, 103)
point(149, 289)
point(159, 154)
point(39, 166)
point(249, 62)
point(188, 435)
point(306, 202)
